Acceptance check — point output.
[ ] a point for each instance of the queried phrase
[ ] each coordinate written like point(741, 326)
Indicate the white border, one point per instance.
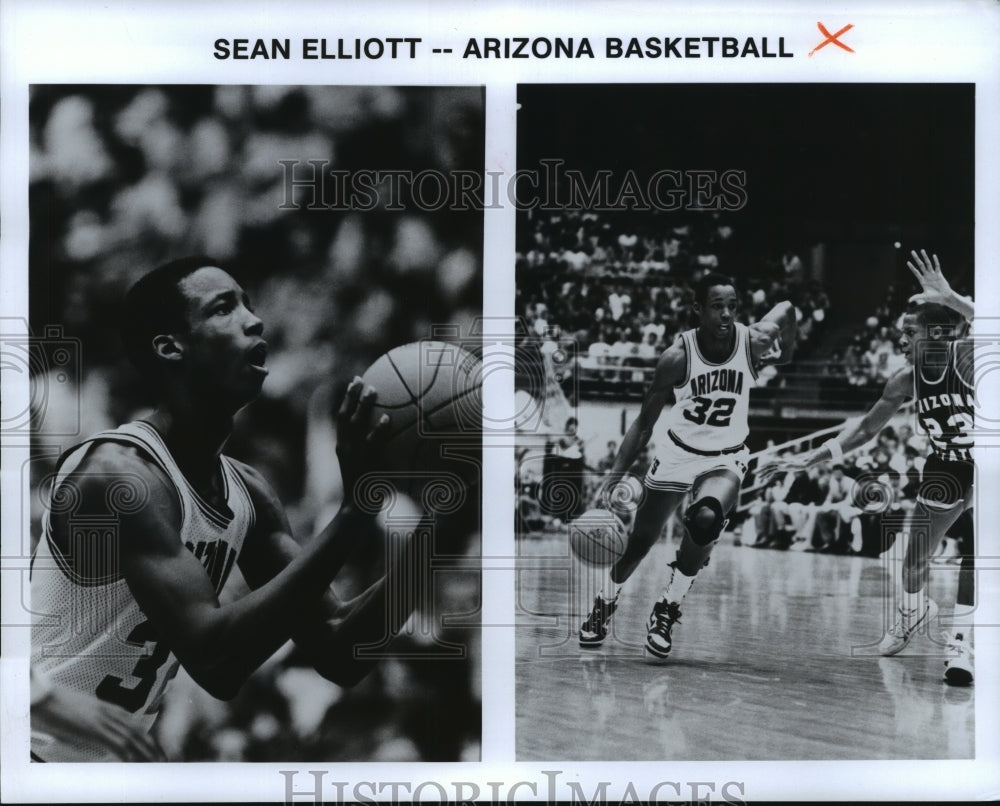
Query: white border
point(171, 42)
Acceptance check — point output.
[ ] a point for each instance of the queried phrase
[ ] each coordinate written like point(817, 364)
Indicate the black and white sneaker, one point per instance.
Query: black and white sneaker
point(958, 666)
point(661, 621)
point(595, 629)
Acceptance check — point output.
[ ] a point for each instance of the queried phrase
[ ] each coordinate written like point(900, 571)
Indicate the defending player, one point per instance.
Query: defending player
point(710, 370)
point(147, 522)
point(939, 377)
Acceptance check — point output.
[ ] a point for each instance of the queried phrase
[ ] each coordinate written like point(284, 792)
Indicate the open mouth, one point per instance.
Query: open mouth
point(258, 355)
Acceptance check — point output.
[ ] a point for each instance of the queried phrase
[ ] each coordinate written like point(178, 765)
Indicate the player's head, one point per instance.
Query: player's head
point(927, 323)
point(188, 324)
point(715, 302)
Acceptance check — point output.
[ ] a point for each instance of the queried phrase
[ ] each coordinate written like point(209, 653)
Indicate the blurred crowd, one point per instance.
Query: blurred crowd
point(124, 178)
point(604, 293)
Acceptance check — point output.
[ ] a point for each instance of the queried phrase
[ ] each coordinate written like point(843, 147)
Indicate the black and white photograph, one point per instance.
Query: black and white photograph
point(745, 510)
point(256, 405)
point(498, 402)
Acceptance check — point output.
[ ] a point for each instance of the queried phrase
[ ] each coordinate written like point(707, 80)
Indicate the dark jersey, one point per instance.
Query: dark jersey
point(945, 413)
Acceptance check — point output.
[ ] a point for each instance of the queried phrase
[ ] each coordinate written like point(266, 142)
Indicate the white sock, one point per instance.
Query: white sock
point(678, 585)
point(961, 622)
point(914, 602)
point(609, 588)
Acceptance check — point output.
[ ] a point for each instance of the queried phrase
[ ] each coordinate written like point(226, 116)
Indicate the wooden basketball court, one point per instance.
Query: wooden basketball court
point(775, 658)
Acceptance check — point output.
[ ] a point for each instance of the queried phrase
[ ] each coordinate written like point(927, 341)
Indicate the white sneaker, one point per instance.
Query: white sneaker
point(907, 623)
point(958, 667)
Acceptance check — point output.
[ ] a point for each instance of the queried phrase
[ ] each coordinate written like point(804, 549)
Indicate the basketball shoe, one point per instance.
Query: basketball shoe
point(907, 623)
point(595, 629)
point(958, 667)
point(661, 621)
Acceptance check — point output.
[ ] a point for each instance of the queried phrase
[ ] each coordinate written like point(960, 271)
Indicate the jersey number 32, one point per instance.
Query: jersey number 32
point(711, 412)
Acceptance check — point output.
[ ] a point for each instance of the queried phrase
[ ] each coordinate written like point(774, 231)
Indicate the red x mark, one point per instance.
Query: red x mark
point(832, 38)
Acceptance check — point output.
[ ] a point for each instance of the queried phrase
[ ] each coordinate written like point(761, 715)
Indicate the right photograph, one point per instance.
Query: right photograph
point(746, 414)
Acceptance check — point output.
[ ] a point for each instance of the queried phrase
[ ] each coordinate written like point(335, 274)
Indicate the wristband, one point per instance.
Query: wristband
point(836, 452)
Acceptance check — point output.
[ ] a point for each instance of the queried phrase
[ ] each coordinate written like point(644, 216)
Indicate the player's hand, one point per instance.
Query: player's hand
point(357, 438)
point(620, 494)
point(70, 715)
point(768, 467)
point(605, 492)
point(927, 270)
point(773, 353)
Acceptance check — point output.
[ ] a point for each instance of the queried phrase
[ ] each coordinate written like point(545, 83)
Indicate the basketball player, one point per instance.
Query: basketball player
point(939, 377)
point(146, 523)
point(710, 370)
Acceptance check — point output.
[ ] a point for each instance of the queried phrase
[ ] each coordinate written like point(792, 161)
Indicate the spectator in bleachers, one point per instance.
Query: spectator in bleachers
point(608, 460)
point(836, 513)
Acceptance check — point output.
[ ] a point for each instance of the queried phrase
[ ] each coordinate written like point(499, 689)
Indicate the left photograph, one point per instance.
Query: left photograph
point(256, 404)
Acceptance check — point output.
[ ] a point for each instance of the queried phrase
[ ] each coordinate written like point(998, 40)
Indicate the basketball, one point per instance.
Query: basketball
point(432, 392)
point(597, 537)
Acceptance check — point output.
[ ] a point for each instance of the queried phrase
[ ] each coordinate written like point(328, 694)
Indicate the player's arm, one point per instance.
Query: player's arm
point(669, 372)
point(328, 629)
point(219, 646)
point(898, 389)
point(772, 339)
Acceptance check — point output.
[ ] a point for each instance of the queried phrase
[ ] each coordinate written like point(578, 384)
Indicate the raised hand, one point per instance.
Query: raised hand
point(927, 270)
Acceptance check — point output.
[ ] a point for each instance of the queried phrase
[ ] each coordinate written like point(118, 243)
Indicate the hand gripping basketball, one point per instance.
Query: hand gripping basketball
point(356, 442)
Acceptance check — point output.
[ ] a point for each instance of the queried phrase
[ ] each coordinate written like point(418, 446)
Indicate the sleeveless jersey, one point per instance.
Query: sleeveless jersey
point(89, 635)
point(712, 407)
point(945, 410)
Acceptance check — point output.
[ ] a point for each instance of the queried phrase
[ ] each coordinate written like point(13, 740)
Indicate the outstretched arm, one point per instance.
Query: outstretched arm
point(898, 389)
point(669, 372)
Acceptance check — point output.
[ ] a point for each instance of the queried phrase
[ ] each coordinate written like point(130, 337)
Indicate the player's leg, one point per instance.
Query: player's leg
point(656, 508)
point(926, 525)
point(713, 497)
point(650, 517)
point(959, 665)
point(945, 488)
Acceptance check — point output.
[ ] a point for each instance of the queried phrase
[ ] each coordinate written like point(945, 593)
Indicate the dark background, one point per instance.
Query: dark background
point(855, 166)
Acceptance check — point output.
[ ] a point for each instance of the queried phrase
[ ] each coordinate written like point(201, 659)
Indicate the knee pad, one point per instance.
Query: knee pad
point(705, 528)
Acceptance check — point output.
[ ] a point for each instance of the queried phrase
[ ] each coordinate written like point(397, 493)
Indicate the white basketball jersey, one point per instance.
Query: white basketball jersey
point(89, 635)
point(712, 406)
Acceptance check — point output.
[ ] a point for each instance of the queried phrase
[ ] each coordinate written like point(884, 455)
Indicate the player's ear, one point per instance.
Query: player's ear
point(167, 347)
